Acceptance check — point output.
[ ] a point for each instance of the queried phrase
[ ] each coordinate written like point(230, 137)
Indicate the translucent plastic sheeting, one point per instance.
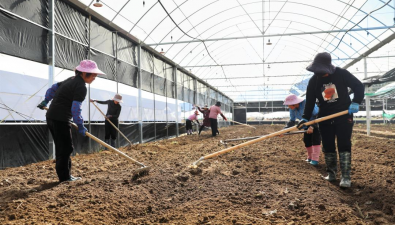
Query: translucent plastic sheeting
point(217, 20)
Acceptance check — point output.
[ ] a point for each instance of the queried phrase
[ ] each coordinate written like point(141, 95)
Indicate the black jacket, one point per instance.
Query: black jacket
point(332, 92)
point(113, 109)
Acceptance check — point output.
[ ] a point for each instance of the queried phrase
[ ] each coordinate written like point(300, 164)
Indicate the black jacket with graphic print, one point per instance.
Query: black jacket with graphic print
point(334, 87)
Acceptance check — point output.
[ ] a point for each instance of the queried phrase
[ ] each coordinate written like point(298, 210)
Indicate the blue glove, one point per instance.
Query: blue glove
point(300, 124)
point(354, 108)
point(82, 129)
point(43, 104)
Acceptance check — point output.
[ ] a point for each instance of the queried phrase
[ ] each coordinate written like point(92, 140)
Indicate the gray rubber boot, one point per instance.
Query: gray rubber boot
point(107, 142)
point(331, 166)
point(345, 166)
point(113, 143)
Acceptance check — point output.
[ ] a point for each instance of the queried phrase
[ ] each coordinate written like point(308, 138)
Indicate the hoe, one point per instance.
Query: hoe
point(195, 164)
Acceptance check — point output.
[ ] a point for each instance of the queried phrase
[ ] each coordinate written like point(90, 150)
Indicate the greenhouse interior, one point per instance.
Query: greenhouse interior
point(169, 65)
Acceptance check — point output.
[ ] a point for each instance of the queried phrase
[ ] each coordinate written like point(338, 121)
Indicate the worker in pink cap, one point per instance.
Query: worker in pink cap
point(312, 137)
point(189, 121)
point(67, 97)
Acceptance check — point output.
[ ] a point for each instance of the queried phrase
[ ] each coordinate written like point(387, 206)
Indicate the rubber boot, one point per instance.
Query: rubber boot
point(331, 166)
point(113, 143)
point(107, 142)
point(309, 151)
point(315, 154)
point(345, 166)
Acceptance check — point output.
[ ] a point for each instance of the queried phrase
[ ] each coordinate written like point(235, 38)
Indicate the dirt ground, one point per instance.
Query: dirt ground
point(265, 183)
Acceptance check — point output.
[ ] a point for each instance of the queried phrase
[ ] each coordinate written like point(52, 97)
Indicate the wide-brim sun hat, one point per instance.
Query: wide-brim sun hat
point(89, 66)
point(117, 98)
point(322, 63)
point(293, 100)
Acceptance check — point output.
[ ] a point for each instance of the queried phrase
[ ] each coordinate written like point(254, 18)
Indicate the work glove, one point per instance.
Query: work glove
point(43, 104)
point(354, 108)
point(82, 129)
point(109, 116)
point(225, 118)
point(290, 123)
point(300, 124)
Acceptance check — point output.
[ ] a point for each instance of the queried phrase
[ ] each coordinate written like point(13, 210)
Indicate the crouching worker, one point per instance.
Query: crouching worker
point(312, 137)
point(113, 111)
point(67, 97)
point(189, 121)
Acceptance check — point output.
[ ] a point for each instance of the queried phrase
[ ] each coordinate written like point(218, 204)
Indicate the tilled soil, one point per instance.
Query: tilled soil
point(265, 183)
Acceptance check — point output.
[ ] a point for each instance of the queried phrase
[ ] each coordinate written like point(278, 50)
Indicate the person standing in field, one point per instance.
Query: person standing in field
point(113, 111)
point(67, 97)
point(206, 120)
point(329, 85)
point(214, 111)
point(312, 137)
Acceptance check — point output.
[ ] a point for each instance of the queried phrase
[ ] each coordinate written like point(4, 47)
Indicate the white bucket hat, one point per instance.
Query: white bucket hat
point(117, 97)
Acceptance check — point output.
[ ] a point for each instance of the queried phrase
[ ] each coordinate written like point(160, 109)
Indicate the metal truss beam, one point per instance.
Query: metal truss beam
point(277, 76)
point(272, 35)
point(299, 61)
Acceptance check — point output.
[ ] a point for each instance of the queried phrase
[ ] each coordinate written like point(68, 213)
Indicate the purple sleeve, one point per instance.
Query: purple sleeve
point(76, 112)
point(51, 92)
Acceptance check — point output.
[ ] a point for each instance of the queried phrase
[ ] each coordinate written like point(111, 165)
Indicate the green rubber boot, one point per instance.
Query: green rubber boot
point(331, 166)
point(345, 166)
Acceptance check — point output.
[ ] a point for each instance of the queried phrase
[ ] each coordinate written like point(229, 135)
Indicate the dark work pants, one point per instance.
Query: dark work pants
point(111, 132)
point(312, 139)
point(214, 127)
point(61, 133)
point(188, 124)
point(340, 128)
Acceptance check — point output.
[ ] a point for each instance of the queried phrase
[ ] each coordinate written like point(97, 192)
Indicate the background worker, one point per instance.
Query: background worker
point(68, 96)
point(113, 111)
point(312, 137)
point(329, 85)
point(189, 121)
point(206, 120)
point(214, 111)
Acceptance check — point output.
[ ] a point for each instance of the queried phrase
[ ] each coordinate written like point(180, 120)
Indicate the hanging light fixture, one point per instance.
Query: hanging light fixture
point(269, 43)
point(268, 66)
point(97, 4)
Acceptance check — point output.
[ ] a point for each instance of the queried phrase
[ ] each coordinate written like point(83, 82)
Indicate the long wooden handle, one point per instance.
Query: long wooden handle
point(107, 145)
point(249, 138)
point(273, 134)
point(241, 123)
point(112, 123)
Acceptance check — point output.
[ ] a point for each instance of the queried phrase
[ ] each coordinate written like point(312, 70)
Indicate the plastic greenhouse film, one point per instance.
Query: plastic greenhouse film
point(23, 144)
point(22, 39)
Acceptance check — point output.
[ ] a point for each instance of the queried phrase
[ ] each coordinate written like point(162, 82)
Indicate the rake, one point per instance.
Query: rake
point(195, 164)
point(112, 123)
point(144, 170)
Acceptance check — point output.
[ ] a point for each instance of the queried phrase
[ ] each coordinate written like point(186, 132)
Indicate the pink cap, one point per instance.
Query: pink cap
point(89, 66)
point(292, 100)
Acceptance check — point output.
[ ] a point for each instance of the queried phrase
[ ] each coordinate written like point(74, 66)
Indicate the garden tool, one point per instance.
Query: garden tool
point(137, 173)
point(241, 123)
point(112, 123)
point(195, 164)
point(249, 138)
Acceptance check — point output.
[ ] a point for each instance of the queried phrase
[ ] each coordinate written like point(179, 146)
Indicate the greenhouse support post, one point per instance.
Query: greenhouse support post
point(176, 97)
point(51, 62)
point(367, 99)
point(139, 101)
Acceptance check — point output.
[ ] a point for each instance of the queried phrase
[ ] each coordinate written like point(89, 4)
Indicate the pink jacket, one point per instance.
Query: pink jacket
point(214, 111)
point(192, 117)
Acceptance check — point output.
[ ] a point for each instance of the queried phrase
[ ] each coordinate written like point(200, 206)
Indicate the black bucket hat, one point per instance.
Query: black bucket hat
point(218, 104)
point(322, 64)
